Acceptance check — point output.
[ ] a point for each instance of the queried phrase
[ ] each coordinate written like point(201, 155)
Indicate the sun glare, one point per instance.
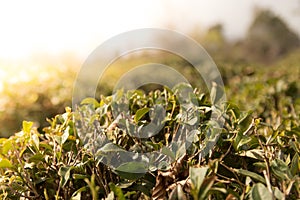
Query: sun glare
point(56, 26)
point(36, 34)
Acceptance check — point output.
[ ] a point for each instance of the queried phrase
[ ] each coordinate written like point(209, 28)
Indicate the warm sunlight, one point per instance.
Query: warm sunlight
point(37, 38)
point(55, 26)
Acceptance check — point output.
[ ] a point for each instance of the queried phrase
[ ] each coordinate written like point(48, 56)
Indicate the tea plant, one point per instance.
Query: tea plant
point(73, 158)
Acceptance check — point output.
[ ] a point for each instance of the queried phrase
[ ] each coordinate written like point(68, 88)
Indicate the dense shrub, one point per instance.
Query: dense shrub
point(253, 158)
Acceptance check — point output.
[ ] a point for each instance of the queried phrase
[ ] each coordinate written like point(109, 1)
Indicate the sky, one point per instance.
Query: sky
point(54, 27)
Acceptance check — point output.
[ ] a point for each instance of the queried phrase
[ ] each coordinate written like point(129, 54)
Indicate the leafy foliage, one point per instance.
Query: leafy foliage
point(256, 155)
point(32, 93)
point(254, 158)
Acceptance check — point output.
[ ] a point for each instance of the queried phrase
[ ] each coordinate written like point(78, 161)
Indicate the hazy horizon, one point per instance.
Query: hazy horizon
point(54, 28)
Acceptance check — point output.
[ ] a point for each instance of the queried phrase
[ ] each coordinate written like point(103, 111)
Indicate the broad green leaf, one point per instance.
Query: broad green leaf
point(178, 193)
point(280, 169)
point(132, 167)
point(58, 154)
point(192, 121)
point(131, 128)
point(197, 176)
point(234, 110)
point(131, 170)
point(147, 131)
point(244, 140)
point(278, 194)
point(5, 163)
point(58, 139)
point(64, 173)
point(254, 153)
point(27, 126)
point(90, 101)
point(111, 147)
point(260, 192)
point(167, 151)
point(206, 186)
point(236, 141)
point(245, 121)
point(7, 145)
point(260, 165)
point(65, 135)
point(295, 165)
point(140, 114)
point(46, 146)
point(251, 174)
point(180, 151)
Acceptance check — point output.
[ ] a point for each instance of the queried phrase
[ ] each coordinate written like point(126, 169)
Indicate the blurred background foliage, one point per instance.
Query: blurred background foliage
point(261, 72)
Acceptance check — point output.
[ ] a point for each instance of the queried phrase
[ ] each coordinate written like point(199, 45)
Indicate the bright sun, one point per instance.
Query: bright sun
point(55, 26)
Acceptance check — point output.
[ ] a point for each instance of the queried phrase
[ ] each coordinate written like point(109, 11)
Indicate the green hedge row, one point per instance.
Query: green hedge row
point(249, 157)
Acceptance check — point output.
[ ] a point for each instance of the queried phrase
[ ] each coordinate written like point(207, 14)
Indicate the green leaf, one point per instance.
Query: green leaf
point(167, 151)
point(251, 174)
point(178, 193)
point(206, 186)
point(245, 121)
point(7, 145)
point(65, 135)
point(254, 153)
point(140, 114)
point(295, 165)
point(64, 173)
point(117, 191)
point(132, 167)
point(180, 151)
point(46, 146)
point(131, 170)
point(244, 140)
point(111, 147)
point(90, 101)
point(260, 192)
point(281, 170)
point(27, 126)
point(278, 194)
point(5, 163)
point(261, 165)
point(197, 177)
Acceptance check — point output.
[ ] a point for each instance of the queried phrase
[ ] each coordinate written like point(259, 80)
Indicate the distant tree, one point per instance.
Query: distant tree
point(269, 37)
point(214, 38)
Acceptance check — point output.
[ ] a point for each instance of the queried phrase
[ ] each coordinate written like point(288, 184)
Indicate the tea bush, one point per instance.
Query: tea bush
point(256, 155)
